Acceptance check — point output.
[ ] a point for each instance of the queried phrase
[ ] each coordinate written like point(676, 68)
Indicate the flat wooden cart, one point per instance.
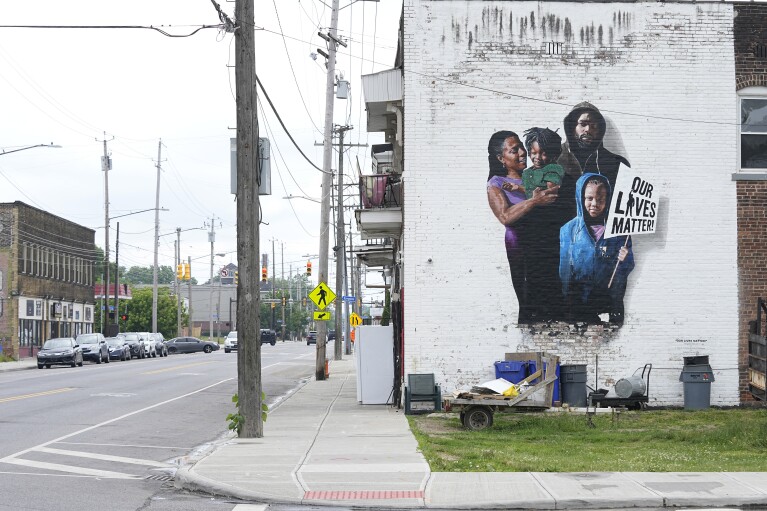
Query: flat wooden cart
point(476, 410)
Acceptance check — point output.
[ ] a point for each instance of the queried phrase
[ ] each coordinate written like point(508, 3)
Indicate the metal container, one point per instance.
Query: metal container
point(633, 386)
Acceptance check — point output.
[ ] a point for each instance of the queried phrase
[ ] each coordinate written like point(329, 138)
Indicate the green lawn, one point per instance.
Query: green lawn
point(731, 440)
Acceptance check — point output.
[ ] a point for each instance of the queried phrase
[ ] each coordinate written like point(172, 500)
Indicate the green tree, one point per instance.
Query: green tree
point(145, 275)
point(140, 313)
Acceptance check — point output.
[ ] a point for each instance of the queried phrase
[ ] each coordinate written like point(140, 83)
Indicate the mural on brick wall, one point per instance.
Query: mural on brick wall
point(569, 208)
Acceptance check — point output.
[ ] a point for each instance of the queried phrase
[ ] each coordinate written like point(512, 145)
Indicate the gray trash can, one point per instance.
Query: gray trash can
point(573, 384)
point(697, 376)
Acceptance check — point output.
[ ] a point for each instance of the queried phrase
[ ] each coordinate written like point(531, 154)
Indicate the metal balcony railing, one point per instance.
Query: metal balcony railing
point(380, 191)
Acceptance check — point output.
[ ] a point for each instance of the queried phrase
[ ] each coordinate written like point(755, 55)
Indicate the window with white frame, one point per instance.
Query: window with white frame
point(753, 129)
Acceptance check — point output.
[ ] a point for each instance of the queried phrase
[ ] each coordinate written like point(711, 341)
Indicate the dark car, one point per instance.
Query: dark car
point(331, 335)
point(159, 344)
point(119, 349)
point(61, 350)
point(190, 345)
point(311, 338)
point(94, 347)
point(268, 336)
point(136, 346)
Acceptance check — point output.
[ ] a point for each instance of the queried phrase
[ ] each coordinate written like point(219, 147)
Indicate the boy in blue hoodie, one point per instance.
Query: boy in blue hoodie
point(587, 259)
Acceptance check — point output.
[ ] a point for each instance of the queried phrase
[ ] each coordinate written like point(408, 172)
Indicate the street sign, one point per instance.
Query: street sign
point(355, 319)
point(224, 272)
point(349, 299)
point(322, 296)
point(322, 316)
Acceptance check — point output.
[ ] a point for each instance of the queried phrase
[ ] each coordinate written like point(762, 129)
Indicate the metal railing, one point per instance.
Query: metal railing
point(757, 353)
point(380, 191)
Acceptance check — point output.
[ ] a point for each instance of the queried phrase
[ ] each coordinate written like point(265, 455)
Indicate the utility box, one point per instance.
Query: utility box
point(697, 377)
point(264, 164)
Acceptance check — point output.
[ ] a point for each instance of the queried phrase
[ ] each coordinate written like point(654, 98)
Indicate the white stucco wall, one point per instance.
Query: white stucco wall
point(663, 76)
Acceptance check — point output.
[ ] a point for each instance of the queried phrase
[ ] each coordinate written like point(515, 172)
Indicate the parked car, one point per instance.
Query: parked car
point(94, 347)
point(331, 335)
point(268, 336)
point(136, 346)
point(230, 343)
point(149, 348)
point(311, 338)
point(119, 349)
point(61, 350)
point(191, 345)
point(159, 344)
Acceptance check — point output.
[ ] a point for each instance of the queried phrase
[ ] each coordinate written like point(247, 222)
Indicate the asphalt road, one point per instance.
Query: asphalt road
point(109, 436)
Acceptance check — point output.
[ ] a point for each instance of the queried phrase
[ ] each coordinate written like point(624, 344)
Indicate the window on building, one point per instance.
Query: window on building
point(753, 128)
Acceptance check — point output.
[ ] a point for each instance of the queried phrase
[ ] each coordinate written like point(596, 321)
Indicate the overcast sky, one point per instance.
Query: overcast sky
point(76, 87)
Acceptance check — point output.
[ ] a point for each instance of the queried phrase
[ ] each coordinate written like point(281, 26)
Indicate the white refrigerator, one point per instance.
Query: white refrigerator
point(374, 358)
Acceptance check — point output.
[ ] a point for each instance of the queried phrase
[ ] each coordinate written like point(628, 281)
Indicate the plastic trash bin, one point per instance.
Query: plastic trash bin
point(574, 384)
point(696, 377)
point(511, 370)
point(532, 368)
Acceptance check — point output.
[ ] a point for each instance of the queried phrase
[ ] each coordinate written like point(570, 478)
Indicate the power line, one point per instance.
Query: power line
point(112, 27)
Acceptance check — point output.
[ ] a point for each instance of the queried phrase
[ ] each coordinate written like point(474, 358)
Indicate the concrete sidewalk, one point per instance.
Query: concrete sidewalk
point(321, 446)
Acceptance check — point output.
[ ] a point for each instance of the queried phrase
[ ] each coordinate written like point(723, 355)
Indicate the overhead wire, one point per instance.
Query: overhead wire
point(279, 174)
point(292, 70)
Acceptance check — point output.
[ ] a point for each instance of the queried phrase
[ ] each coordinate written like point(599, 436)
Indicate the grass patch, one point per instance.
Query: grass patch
point(712, 440)
point(6, 358)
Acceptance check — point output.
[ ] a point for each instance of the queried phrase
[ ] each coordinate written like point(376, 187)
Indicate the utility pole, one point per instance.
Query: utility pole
point(284, 300)
point(116, 328)
point(212, 240)
point(106, 165)
point(178, 282)
point(248, 172)
point(339, 249)
point(191, 320)
point(327, 160)
point(274, 283)
point(156, 238)
point(347, 336)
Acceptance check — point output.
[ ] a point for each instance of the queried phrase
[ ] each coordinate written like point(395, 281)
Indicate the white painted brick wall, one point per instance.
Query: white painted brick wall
point(664, 78)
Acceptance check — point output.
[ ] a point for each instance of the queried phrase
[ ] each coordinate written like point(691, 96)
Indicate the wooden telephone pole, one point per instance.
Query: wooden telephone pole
point(248, 295)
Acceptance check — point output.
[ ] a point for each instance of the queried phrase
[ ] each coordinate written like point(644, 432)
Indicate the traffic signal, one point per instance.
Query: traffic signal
point(123, 317)
point(180, 272)
point(303, 301)
point(308, 268)
point(284, 301)
point(274, 305)
point(187, 271)
point(236, 278)
point(263, 274)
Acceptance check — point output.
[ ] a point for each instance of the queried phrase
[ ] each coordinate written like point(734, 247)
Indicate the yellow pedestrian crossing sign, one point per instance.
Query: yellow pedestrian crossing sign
point(322, 316)
point(322, 296)
point(355, 319)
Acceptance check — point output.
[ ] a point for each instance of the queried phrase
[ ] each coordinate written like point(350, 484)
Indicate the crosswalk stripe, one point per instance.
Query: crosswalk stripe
point(106, 474)
point(104, 457)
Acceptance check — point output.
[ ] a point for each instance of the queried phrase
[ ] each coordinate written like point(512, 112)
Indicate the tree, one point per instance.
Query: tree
point(140, 312)
point(386, 314)
point(145, 275)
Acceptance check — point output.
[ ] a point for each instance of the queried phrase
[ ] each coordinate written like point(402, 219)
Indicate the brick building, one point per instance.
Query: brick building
point(681, 93)
point(46, 278)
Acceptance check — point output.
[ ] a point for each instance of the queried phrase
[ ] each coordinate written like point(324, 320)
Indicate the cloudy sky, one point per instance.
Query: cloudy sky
point(75, 87)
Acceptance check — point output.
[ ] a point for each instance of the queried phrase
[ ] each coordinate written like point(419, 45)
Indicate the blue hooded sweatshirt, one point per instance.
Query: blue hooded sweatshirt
point(586, 262)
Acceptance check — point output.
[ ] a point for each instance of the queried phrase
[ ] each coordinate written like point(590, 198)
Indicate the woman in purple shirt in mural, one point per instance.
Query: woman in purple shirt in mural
point(507, 159)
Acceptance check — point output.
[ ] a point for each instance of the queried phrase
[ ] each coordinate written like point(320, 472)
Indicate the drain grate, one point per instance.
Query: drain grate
point(159, 477)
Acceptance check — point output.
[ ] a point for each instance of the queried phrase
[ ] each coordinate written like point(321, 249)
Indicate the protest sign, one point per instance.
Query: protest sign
point(633, 208)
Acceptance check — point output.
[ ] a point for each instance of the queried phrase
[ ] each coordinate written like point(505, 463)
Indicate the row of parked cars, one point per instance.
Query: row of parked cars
point(268, 336)
point(125, 346)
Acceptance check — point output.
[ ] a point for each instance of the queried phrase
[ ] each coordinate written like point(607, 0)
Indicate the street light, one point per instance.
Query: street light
point(303, 197)
point(30, 147)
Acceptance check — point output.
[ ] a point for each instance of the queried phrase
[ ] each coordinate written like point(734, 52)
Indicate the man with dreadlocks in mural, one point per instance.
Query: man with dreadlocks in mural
point(584, 151)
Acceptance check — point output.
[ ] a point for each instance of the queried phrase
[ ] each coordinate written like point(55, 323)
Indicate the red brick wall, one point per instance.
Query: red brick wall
point(750, 30)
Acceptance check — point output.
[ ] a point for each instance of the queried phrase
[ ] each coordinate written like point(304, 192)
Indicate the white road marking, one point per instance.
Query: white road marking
point(105, 457)
point(106, 474)
point(129, 445)
point(250, 507)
